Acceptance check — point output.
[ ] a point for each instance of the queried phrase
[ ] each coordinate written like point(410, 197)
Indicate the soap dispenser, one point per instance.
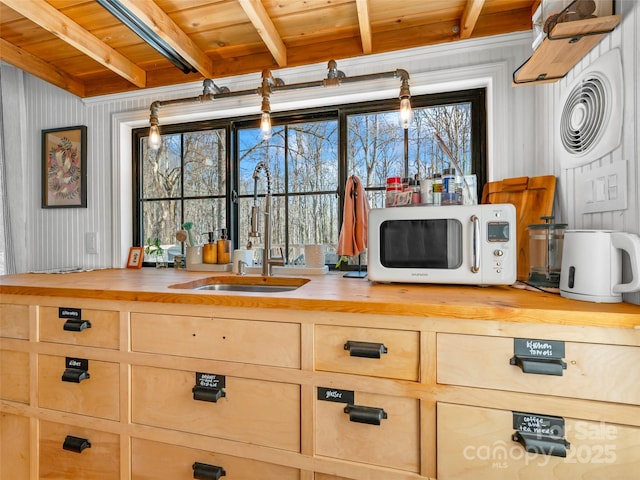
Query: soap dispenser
point(210, 250)
point(224, 248)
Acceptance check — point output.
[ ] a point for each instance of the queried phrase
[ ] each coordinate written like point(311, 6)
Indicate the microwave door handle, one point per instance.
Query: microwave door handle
point(475, 266)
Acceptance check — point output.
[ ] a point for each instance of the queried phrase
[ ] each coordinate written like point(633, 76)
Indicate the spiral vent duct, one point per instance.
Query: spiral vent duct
point(584, 115)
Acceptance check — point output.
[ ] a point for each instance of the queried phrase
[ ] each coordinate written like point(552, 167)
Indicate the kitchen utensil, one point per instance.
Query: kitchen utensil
point(545, 252)
point(592, 265)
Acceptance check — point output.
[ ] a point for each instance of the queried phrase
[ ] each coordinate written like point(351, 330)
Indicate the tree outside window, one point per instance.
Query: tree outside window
point(198, 175)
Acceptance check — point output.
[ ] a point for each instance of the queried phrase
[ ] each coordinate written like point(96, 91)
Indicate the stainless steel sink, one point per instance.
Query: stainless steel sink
point(238, 283)
point(234, 287)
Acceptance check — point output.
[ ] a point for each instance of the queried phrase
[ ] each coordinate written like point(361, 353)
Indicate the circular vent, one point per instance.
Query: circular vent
point(583, 115)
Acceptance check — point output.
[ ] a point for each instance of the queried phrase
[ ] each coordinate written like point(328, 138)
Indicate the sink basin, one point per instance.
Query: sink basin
point(239, 283)
point(234, 287)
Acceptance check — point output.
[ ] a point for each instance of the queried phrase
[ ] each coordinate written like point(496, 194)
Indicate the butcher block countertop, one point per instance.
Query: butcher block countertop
point(333, 293)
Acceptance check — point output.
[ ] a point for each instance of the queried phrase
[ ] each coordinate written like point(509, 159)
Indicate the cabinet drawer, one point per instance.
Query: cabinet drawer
point(476, 442)
point(394, 443)
point(244, 341)
point(14, 321)
point(253, 411)
point(593, 371)
point(14, 446)
point(14, 376)
point(97, 396)
point(154, 460)
point(361, 351)
point(99, 461)
point(104, 331)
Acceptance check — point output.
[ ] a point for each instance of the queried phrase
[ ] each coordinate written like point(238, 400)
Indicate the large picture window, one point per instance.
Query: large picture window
point(203, 172)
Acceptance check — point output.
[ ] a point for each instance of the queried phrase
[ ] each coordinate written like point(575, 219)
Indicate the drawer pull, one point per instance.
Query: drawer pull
point(539, 366)
point(76, 325)
point(365, 349)
point(75, 444)
point(203, 471)
point(362, 414)
point(535, 443)
point(75, 375)
point(207, 394)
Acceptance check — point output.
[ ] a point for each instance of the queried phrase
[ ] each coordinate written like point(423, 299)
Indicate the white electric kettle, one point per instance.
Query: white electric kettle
point(592, 265)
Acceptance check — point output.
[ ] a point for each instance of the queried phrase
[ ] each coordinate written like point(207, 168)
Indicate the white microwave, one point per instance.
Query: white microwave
point(453, 244)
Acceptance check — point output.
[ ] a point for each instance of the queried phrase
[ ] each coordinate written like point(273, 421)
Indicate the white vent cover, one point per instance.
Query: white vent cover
point(590, 124)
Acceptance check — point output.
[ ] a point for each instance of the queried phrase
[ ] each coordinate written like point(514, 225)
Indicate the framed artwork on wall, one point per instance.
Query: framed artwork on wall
point(64, 167)
point(136, 257)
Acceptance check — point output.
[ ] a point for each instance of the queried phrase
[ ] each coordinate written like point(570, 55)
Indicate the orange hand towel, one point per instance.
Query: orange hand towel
point(353, 235)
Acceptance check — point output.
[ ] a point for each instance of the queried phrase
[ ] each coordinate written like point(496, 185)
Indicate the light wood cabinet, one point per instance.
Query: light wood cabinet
point(14, 446)
point(80, 326)
point(96, 395)
point(67, 451)
point(14, 376)
point(225, 339)
point(475, 442)
point(155, 460)
point(587, 370)
point(152, 389)
point(14, 321)
point(368, 351)
point(375, 429)
point(242, 409)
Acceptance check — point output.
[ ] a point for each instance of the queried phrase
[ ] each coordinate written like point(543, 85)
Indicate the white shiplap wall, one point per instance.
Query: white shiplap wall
point(549, 107)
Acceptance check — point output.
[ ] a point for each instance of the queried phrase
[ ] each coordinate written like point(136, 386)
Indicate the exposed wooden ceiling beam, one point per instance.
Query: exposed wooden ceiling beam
point(157, 20)
point(29, 63)
point(365, 25)
point(470, 17)
point(266, 29)
point(43, 14)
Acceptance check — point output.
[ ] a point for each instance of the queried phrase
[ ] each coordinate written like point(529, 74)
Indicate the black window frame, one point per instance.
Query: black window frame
point(476, 97)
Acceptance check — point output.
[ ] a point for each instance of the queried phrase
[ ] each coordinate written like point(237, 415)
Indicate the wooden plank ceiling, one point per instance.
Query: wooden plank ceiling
point(80, 47)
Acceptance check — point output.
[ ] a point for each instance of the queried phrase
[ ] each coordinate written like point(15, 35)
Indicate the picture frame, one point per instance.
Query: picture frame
point(136, 257)
point(64, 167)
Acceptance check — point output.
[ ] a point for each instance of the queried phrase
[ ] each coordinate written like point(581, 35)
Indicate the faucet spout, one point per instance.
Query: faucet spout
point(267, 260)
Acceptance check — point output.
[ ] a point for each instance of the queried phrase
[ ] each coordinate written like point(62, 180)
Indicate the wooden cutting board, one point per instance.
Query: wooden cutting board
point(533, 198)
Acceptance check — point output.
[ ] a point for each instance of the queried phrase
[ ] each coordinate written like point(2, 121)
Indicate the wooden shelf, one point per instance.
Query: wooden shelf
point(563, 48)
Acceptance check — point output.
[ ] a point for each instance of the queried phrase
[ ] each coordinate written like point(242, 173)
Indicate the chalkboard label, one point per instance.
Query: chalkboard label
point(544, 425)
point(77, 363)
point(64, 312)
point(210, 380)
point(334, 395)
point(526, 347)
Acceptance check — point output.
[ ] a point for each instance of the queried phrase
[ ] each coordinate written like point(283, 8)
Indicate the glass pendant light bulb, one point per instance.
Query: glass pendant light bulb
point(154, 137)
point(265, 125)
point(406, 114)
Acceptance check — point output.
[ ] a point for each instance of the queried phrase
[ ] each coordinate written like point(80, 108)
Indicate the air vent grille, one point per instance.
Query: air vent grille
point(589, 123)
point(584, 115)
